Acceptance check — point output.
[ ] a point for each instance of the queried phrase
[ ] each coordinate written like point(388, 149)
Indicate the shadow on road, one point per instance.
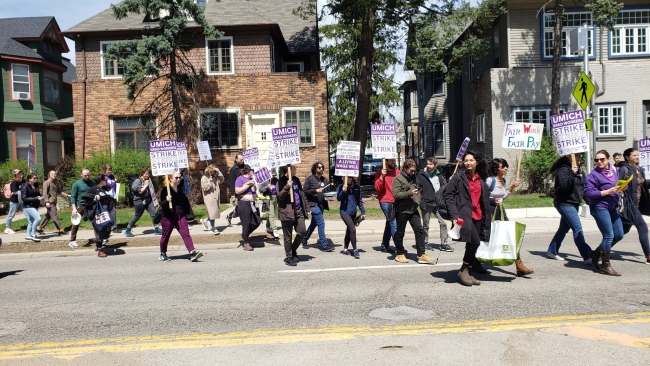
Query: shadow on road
point(10, 273)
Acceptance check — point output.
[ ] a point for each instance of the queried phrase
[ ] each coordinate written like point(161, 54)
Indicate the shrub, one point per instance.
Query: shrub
point(535, 164)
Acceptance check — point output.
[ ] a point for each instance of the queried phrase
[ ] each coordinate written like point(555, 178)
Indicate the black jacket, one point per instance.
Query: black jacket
point(569, 187)
point(459, 204)
point(428, 195)
point(312, 183)
point(234, 173)
point(630, 201)
point(286, 208)
point(180, 203)
point(30, 195)
point(104, 198)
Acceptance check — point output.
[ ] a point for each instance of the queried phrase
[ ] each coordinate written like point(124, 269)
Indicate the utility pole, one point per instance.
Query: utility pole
point(592, 133)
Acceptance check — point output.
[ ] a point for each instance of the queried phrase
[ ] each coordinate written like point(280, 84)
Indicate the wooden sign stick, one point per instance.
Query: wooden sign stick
point(290, 184)
point(383, 161)
point(573, 161)
point(521, 154)
point(168, 190)
point(457, 164)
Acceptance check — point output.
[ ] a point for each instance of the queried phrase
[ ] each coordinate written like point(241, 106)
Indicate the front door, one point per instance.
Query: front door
point(261, 136)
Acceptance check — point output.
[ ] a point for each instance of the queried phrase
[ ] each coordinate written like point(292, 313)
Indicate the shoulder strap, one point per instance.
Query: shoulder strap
point(493, 183)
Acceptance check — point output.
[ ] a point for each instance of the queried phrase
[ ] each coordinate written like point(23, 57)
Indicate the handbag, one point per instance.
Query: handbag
point(505, 242)
point(157, 217)
point(189, 216)
point(103, 219)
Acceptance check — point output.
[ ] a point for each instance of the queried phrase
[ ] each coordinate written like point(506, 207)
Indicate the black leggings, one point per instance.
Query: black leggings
point(350, 231)
point(246, 216)
point(472, 246)
point(291, 247)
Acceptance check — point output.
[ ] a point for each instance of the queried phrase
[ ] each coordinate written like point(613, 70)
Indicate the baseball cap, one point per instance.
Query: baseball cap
point(16, 171)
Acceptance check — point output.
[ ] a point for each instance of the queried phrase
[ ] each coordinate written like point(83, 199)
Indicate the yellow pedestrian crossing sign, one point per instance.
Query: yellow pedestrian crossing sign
point(584, 90)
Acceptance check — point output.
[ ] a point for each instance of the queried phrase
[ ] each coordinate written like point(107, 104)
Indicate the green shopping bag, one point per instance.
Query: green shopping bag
point(121, 192)
point(506, 238)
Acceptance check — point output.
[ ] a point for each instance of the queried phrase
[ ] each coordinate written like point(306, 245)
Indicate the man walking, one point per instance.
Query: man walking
point(384, 187)
point(79, 188)
point(431, 182)
point(234, 174)
point(314, 186)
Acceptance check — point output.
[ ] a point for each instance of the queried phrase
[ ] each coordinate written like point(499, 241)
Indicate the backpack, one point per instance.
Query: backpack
point(7, 190)
point(442, 204)
point(494, 183)
point(131, 179)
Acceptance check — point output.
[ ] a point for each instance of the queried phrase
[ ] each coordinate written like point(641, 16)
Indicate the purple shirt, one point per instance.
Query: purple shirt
point(241, 180)
point(296, 195)
point(597, 182)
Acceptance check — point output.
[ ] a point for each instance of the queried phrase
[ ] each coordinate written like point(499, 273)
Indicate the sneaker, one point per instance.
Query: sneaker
point(276, 234)
point(248, 247)
point(229, 218)
point(346, 252)
point(290, 262)
point(269, 230)
point(425, 259)
point(39, 230)
point(9, 231)
point(61, 232)
point(329, 248)
point(73, 244)
point(305, 245)
point(215, 231)
point(401, 258)
point(104, 242)
point(554, 256)
point(164, 258)
point(157, 231)
point(100, 253)
point(32, 238)
point(429, 247)
point(128, 233)
point(205, 224)
point(647, 260)
point(446, 248)
point(195, 255)
point(356, 254)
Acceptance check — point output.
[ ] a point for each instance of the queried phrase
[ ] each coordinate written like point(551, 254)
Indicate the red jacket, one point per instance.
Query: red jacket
point(384, 187)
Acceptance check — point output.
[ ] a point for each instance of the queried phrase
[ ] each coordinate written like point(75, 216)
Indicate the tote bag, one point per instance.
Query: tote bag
point(505, 242)
point(103, 218)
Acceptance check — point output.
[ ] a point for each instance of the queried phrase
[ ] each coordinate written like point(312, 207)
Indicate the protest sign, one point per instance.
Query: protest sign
point(270, 160)
point(286, 145)
point(181, 151)
point(644, 156)
point(384, 140)
point(348, 155)
point(252, 158)
point(570, 133)
point(204, 150)
point(463, 148)
point(262, 175)
point(164, 157)
point(31, 158)
point(522, 136)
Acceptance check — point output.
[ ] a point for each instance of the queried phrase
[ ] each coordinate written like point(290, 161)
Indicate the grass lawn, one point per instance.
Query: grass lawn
point(529, 200)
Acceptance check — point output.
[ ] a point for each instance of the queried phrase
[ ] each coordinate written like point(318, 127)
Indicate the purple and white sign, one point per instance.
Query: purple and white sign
point(164, 157)
point(570, 132)
point(262, 175)
point(384, 140)
point(348, 155)
point(644, 156)
point(252, 158)
point(204, 150)
point(270, 160)
point(181, 151)
point(286, 145)
point(462, 150)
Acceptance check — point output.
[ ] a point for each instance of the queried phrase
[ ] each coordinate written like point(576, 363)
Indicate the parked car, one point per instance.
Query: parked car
point(368, 169)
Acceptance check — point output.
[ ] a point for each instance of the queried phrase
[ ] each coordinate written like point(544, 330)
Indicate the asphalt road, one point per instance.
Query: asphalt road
point(242, 308)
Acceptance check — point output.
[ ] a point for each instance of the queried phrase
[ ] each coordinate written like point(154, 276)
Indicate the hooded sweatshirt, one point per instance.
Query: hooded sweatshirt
point(597, 182)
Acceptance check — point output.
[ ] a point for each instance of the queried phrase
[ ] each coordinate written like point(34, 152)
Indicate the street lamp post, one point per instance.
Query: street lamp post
point(399, 153)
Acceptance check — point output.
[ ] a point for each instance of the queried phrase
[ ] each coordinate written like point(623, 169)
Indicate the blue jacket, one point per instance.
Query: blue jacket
point(350, 199)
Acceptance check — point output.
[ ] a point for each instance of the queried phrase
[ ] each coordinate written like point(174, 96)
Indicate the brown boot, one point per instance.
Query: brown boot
point(595, 257)
point(465, 278)
point(606, 268)
point(477, 267)
point(521, 269)
point(475, 282)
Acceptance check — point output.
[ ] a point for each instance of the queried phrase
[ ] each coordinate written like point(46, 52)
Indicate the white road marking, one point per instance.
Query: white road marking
point(370, 267)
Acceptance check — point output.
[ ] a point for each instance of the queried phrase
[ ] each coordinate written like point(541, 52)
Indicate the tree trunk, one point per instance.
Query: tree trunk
point(557, 54)
point(364, 78)
point(178, 123)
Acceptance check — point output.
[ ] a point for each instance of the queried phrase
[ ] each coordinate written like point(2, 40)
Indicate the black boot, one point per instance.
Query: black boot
point(595, 257)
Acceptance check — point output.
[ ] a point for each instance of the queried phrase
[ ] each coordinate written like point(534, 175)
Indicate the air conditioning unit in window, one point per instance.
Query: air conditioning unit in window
point(21, 96)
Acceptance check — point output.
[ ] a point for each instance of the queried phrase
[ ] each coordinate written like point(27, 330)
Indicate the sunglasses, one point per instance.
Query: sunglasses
point(320, 167)
point(599, 160)
point(177, 177)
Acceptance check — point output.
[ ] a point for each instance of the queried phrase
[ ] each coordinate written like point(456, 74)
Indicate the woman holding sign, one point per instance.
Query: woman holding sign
point(601, 190)
point(245, 191)
point(292, 212)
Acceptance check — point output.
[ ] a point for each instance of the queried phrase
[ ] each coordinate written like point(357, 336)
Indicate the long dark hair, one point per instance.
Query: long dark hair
point(562, 160)
point(314, 167)
point(481, 163)
point(628, 152)
point(494, 165)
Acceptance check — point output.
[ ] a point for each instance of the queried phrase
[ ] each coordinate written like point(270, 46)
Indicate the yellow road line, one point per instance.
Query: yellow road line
point(602, 336)
point(184, 341)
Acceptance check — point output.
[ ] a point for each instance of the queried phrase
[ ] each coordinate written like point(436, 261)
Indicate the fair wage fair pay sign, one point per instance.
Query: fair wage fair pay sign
point(522, 136)
point(570, 133)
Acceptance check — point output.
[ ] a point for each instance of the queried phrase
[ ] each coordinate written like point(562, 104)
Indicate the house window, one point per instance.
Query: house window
point(221, 129)
point(572, 20)
point(50, 86)
point(53, 146)
point(439, 140)
point(201, 3)
point(20, 83)
point(132, 132)
point(110, 68)
point(534, 115)
point(23, 138)
point(480, 128)
point(294, 66)
point(611, 120)
point(496, 52)
point(303, 118)
point(438, 83)
point(629, 37)
point(220, 55)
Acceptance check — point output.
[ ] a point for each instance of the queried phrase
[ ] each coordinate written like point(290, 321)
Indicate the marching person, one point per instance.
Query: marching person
point(350, 197)
point(431, 182)
point(569, 193)
point(210, 181)
point(79, 188)
point(632, 196)
point(99, 194)
point(174, 218)
point(234, 174)
point(51, 190)
point(602, 192)
point(292, 214)
point(144, 198)
point(468, 202)
point(247, 205)
point(31, 197)
point(407, 199)
point(270, 193)
point(384, 187)
point(111, 185)
point(14, 203)
point(498, 192)
point(314, 187)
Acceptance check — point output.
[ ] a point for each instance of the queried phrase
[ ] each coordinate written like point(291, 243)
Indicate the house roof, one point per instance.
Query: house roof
point(13, 30)
point(299, 34)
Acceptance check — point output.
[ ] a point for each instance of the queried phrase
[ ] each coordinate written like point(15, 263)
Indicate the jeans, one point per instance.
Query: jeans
point(390, 228)
point(426, 218)
point(33, 218)
point(13, 208)
point(416, 225)
point(317, 219)
point(642, 228)
point(178, 222)
point(569, 219)
point(609, 224)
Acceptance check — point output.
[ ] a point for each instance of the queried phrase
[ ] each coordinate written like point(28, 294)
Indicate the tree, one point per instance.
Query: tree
point(158, 65)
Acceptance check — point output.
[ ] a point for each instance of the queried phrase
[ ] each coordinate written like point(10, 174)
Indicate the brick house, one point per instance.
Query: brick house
point(263, 73)
point(36, 97)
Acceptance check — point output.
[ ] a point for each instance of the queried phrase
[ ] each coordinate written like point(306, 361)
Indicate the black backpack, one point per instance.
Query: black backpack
point(131, 179)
